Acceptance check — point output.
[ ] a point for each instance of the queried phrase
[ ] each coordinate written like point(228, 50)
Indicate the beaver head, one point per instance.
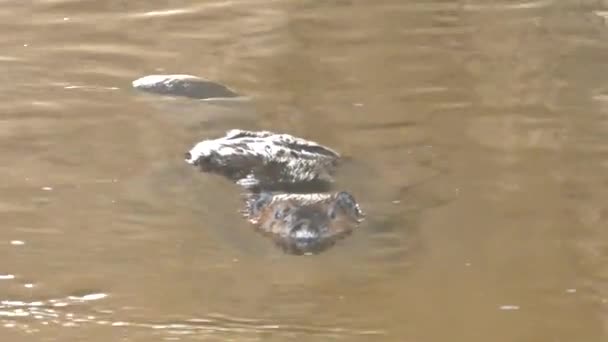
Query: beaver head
point(264, 158)
point(305, 223)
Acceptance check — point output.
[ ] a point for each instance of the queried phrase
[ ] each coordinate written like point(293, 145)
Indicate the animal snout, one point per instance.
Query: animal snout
point(305, 230)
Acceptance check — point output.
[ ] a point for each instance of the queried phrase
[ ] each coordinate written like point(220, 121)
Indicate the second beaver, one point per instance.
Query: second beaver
point(304, 223)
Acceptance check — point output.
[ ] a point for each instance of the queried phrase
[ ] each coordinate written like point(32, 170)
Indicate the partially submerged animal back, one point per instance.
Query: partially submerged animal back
point(265, 159)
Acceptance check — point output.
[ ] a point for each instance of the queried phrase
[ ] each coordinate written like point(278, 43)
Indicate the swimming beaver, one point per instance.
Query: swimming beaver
point(265, 159)
point(304, 223)
point(301, 223)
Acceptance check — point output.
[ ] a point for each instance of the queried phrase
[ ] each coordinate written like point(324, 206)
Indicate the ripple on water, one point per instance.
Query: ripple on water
point(69, 312)
point(56, 311)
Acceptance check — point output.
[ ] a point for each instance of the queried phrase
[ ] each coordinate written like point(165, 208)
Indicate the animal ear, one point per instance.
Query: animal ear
point(282, 210)
point(259, 201)
point(346, 203)
point(345, 200)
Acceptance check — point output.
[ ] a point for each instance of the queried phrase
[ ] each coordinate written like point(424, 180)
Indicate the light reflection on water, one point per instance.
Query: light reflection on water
point(63, 312)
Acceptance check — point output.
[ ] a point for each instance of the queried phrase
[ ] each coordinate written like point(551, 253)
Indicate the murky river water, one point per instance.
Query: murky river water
point(478, 137)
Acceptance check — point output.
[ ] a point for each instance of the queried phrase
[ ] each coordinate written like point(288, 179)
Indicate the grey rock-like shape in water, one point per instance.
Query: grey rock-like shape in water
point(183, 85)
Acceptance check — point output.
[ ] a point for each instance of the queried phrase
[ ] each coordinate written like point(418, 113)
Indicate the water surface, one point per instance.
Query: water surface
point(477, 134)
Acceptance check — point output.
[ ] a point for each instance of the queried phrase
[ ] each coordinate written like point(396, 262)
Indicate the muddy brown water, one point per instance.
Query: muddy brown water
point(478, 132)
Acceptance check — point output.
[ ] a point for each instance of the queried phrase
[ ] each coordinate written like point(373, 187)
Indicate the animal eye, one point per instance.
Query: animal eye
point(262, 201)
point(332, 213)
point(281, 213)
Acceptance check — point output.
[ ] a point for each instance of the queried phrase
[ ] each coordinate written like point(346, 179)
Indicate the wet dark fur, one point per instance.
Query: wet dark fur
point(302, 218)
point(304, 223)
point(265, 160)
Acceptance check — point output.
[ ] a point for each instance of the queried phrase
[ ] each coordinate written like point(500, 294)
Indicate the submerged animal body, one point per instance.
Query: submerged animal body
point(304, 223)
point(265, 159)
